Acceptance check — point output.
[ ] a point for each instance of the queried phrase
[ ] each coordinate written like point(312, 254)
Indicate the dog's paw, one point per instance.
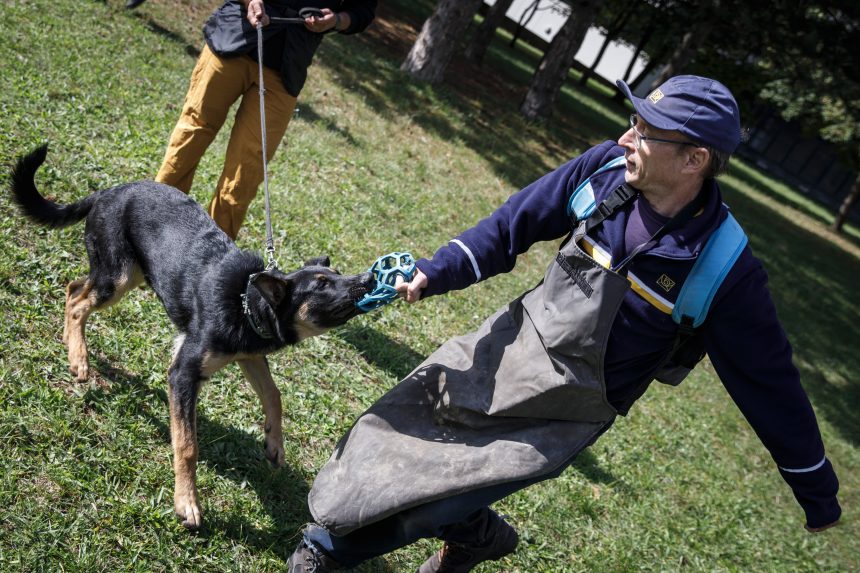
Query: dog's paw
point(275, 453)
point(188, 512)
point(80, 369)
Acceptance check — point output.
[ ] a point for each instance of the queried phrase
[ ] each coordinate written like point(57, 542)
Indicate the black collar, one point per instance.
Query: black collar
point(261, 331)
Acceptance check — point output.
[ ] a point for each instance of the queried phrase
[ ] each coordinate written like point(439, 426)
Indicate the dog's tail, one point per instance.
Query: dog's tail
point(33, 204)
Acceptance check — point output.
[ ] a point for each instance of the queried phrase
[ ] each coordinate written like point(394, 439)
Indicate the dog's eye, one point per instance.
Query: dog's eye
point(322, 281)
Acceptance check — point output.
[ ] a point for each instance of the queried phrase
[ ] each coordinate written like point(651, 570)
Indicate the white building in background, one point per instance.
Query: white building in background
point(548, 20)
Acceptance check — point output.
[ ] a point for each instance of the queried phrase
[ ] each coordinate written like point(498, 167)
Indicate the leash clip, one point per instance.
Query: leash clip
point(270, 258)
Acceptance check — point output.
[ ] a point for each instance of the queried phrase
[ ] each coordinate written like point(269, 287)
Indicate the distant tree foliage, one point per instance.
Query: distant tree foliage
point(812, 75)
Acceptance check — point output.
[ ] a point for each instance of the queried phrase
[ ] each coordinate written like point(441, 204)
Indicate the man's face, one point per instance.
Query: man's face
point(653, 166)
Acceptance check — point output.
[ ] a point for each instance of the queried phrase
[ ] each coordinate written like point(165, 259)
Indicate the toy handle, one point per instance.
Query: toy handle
point(387, 269)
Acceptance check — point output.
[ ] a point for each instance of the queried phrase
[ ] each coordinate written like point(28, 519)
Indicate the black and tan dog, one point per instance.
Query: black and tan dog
point(226, 306)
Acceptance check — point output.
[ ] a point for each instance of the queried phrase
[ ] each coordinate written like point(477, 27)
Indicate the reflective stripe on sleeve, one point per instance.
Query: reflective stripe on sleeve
point(805, 470)
point(469, 254)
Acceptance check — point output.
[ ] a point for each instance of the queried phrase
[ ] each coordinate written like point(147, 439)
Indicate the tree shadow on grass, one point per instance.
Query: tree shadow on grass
point(758, 179)
point(306, 112)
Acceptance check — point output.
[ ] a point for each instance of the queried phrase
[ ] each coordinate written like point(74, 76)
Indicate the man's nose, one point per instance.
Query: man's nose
point(627, 139)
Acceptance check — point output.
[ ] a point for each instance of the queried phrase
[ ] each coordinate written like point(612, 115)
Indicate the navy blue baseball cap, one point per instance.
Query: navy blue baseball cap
point(701, 108)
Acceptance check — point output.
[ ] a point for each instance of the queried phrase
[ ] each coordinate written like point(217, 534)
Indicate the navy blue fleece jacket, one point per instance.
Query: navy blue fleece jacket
point(742, 334)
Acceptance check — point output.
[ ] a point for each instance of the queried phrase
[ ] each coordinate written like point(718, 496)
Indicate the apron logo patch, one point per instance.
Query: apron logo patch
point(575, 274)
point(666, 283)
point(656, 96)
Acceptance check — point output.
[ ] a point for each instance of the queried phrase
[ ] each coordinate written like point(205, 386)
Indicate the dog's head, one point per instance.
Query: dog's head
point(311, 300)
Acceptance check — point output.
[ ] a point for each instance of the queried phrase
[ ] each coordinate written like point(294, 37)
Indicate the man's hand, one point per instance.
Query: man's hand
point(257, 13)
point(411, 291)
point(328, 21)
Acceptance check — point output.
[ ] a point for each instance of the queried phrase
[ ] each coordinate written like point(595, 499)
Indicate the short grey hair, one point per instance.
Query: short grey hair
point(719, 162)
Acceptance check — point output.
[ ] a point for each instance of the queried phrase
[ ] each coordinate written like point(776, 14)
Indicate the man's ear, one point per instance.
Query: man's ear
point(273, 289)
point(318, 262)
point(698, 160)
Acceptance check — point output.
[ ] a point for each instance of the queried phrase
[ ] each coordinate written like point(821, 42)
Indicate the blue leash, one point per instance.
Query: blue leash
point(385, 270)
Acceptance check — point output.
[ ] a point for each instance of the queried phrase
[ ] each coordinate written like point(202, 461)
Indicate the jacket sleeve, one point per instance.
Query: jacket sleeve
point(753, 358)
point(536, 213)
point(361, 14)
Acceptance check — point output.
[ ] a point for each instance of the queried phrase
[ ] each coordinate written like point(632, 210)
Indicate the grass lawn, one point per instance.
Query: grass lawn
point(372, 163)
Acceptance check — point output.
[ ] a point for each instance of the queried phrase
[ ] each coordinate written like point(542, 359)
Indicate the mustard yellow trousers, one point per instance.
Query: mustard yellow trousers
point(216, 84)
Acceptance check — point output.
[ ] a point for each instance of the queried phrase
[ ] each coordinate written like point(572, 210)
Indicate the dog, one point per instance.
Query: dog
point(226, 305)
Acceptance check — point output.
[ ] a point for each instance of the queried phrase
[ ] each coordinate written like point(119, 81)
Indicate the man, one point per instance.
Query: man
point(514, 402)
point(228, 70)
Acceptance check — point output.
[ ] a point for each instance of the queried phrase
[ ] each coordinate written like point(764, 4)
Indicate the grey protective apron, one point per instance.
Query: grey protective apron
point(516, 399)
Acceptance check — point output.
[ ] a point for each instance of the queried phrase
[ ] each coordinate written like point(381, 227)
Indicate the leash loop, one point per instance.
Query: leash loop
point(304, 13)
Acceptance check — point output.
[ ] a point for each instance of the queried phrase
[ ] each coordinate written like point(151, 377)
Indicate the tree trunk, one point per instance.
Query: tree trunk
point(643, 41)
point(688, 47)
point(524, 21)
point(845, 208)
point(556, 62)
point(435, 46)
point(613, 30)
point(477, 48)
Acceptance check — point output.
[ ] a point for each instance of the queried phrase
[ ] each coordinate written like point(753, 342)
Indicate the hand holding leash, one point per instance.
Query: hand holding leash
point(257, 13)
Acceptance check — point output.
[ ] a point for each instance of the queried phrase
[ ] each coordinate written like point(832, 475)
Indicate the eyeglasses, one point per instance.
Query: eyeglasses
point(634, 121)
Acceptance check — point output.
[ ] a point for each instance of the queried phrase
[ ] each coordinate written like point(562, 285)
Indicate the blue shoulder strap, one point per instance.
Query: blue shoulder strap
point(581, 202)
point(710, 269)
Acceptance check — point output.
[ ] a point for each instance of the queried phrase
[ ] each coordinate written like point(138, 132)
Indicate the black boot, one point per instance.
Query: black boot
point(500, 539)
point(308, 559)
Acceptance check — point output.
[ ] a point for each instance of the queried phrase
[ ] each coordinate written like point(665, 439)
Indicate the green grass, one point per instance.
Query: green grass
point(373, 163)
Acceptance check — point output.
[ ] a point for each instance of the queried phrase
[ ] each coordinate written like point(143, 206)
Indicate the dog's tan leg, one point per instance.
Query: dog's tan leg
point(80, 299)
point(257, 373)
point(183, 436)
point(73, 291)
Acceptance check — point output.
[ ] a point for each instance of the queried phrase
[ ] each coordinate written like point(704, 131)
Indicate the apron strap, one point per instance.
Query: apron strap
point(679, 219)
point(619, 197)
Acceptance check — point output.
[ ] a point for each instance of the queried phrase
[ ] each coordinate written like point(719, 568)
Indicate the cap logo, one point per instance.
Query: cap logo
point(656, 96)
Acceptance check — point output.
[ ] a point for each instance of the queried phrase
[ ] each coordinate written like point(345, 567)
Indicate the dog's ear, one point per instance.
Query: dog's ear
point(318, 262)
point(274, 289)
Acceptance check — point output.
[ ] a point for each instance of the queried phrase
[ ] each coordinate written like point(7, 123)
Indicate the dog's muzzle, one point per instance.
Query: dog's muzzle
point(358, 291)
point(368, 283)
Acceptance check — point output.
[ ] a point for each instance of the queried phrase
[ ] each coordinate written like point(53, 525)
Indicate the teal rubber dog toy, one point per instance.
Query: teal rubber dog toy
point(386, 269)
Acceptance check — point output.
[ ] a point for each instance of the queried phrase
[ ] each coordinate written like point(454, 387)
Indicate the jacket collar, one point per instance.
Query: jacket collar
point(687, 241)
